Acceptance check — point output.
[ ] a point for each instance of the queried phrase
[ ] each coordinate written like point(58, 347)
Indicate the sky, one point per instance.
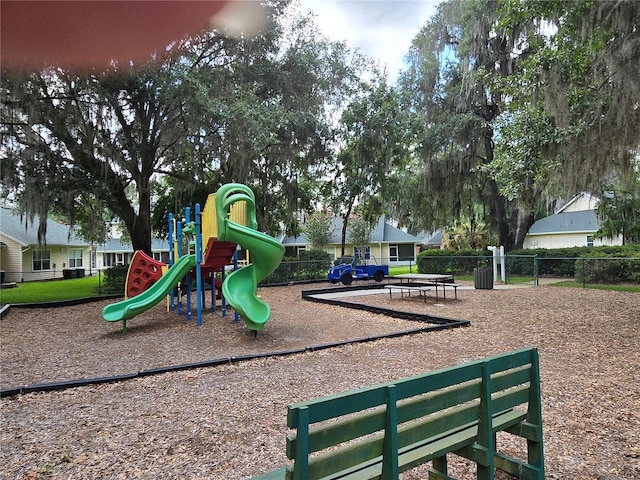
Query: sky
point(382, 29)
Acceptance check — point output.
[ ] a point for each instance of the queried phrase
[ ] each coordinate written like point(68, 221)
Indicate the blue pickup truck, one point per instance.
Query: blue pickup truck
point(349, 269)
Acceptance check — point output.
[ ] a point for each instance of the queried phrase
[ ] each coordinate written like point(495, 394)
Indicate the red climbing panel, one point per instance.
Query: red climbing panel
point(144, 271)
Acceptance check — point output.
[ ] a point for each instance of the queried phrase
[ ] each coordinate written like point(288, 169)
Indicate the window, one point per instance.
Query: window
point(41, 260)
point(589, 240)
point(108, 259)
point(362, 252)
point(406, 252)
point(75, 258)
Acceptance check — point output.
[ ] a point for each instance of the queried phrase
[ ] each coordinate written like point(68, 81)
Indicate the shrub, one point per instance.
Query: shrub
point(315, 264)
point(311, 265)
point(561, 262)
point(608, 270)
point(115, 278)
point(452, 261)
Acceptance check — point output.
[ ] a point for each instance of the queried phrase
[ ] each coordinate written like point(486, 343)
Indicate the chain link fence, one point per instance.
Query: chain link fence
point(519, 269)
point(533, 268)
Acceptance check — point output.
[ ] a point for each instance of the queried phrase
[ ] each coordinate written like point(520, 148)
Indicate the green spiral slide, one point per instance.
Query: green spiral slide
point(240, 287)
point(126, 309)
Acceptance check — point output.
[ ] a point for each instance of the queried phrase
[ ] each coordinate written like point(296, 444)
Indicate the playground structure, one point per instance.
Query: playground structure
point(227, 220)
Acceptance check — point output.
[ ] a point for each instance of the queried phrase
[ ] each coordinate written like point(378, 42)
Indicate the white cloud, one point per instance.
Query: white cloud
point(380, 29)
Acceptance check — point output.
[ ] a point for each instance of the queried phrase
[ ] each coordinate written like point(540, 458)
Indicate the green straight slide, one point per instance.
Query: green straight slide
point(240, 287)
point(126, 309)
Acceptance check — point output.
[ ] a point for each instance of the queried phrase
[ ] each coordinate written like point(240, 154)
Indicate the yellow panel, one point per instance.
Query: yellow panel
point(209, 224)
point(239, 213)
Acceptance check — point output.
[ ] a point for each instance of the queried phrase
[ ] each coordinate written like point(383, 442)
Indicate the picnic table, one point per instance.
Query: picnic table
point(435, 280)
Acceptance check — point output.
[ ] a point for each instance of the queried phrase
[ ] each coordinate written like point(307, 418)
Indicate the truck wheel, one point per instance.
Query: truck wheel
point(378, 276)
point(347, 279)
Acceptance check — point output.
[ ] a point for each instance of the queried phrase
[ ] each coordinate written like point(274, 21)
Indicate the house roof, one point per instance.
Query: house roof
point(26, 233)
point(567, 222)
point(382, 233)
point(436, 239)
point(117, 245)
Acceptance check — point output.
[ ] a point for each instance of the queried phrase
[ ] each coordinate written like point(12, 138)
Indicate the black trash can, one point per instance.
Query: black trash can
point(1, 277)
point(483, 278)
point(79, 272)
point(68, 273)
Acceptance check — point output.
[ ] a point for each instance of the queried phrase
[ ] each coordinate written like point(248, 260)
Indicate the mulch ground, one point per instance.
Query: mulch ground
point(228, 422)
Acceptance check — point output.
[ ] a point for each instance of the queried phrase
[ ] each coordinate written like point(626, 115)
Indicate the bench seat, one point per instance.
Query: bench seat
point(421, 289)
point(444, 286)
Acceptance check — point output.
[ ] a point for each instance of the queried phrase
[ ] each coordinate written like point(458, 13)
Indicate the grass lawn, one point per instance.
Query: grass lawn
point(617, 288)
point(52, 290)
point(402, 270)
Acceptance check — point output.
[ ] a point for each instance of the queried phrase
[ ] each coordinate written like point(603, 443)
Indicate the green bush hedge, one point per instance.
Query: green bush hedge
point(615, 264)
point(605, 270)
point(115, 279)
point(310, 265)
point(561, 262)
point(453, 261)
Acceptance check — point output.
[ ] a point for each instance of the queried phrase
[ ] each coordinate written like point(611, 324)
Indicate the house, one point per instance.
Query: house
point(573, 225)
point(389, 245)
point(119, 252)
point(22, 259)
point(430, 239)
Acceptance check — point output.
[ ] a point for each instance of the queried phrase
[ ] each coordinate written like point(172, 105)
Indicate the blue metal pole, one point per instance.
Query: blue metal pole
point(171, 293)
point(199, 289)
point(179, 254)
point(224, 300)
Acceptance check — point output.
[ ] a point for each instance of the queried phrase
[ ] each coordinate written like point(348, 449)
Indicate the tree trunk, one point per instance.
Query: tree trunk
point(345, 220)
point(525, 220)
point(499, 209)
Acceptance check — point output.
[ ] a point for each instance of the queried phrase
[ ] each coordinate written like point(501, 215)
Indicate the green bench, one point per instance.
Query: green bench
point(380, 431)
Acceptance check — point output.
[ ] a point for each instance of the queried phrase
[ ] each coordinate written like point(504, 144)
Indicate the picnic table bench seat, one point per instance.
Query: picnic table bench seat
point(444, 286)
point(421, 289)
point(382, 430)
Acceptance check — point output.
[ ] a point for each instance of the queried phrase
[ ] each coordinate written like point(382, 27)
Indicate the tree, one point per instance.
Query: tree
point(218, 110)
point(587, 77)
point(374, 145)
point(510, 92)
point(570, 93)
point(360, 231)
point(448, 88)
point(619, 214)
point(319, 229)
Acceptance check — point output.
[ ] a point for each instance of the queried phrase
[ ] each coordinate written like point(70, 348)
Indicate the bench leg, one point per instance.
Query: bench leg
point(439, 470)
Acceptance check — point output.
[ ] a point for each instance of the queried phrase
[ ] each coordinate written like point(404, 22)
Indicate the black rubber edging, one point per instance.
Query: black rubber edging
point(420, 317)
point(59, 303)
point(48, 387)
point(439, 323)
